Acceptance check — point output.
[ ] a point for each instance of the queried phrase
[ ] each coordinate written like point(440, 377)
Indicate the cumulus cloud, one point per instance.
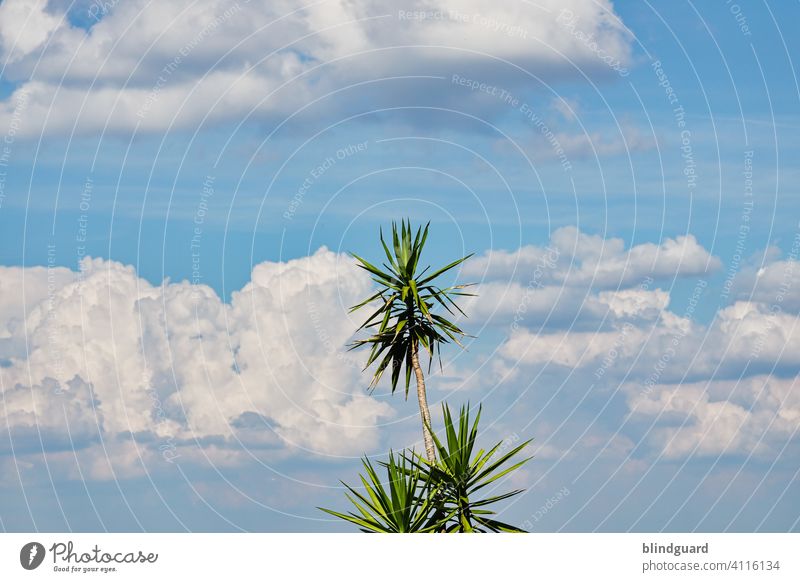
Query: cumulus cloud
point(154, 65)
point(727, 387)
point(580, 281)
point(24, 27)
point(552, 306)
point(571, 307)
point(755, 415)
point(23, 288)
point(777, 283)
point(112, 359)
point(743, 339)
point(574, 258)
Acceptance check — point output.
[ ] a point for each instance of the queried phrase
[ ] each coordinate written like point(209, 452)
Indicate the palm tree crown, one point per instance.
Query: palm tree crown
point(405, 318)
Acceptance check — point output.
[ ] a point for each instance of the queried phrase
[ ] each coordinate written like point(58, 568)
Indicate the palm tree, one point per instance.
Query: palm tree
point(407, 506)
point(404, 319)
point(462, 472)
point(449, 495)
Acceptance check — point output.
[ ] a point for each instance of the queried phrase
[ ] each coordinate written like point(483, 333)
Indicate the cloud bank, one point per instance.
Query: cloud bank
point(103, 358)
point(101, 364)
point(120, 66)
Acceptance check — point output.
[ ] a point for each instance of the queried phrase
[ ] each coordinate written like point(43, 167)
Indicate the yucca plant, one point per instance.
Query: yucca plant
point(405, 317)
point(444, 496)
point(461, 473)
point(405, 507)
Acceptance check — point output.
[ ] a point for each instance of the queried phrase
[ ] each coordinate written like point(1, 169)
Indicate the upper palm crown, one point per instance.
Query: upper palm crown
point(405, 317)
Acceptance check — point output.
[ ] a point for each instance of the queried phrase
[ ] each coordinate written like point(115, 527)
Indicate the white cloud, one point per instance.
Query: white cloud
point(552, 306)
point(23, 288)
point(776, 283)
point(24, 27)
point(733, 381)
point(749, 415)
point(580, 281)
point(742, 337)
point(577, 259)
point(109, 354)
point(172, 61)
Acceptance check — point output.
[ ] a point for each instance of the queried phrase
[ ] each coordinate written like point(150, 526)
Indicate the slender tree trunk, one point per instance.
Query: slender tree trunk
point(422, 398)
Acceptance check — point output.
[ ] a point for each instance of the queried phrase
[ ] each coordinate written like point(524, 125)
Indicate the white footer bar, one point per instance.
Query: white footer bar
point(333, 557)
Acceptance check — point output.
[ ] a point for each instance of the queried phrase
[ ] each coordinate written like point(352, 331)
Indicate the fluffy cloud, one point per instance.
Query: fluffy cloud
point(177, 63)
point(593, 310)
point(578, 259)
point(581, 281)
point(110, 358)
point(728, 387)
point(776, 283)
point(745, 338)
point(552, 306)
point(24, 27)
point(755, 415)
point(23, 288)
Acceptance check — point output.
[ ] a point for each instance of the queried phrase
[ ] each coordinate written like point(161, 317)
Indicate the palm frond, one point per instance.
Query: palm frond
point(442, 496)
point(403, 312)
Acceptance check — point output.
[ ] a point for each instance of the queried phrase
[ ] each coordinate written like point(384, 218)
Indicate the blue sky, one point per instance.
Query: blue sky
point(273, 133)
